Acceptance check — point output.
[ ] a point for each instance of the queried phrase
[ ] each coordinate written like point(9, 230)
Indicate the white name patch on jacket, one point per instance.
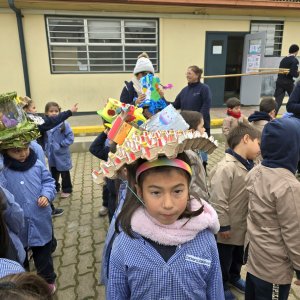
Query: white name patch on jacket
point(198, 260)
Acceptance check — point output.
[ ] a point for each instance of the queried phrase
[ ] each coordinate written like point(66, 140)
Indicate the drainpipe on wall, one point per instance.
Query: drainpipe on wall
point(22, 45)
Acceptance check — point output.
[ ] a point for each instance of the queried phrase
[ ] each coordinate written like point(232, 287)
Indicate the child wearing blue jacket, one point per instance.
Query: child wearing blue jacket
point(166, 249)
point(34, 189)
point(57, 145)
point(12, 222)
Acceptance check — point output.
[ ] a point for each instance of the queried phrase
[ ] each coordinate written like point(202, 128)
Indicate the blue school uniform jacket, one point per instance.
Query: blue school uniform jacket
point(14, 219)
point(57, 147)
point(137, 270)
point(27, 187)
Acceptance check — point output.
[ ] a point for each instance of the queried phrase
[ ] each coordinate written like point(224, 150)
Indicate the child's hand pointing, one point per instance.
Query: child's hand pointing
point(74, 108)
point(43, 201)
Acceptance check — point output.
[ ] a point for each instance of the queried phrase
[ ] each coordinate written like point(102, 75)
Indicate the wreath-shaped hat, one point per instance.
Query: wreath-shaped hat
point(15, 129)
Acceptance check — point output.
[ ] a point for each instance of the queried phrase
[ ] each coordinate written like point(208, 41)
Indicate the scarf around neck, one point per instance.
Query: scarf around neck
point(234, 114)
point(247, 163)
point(137, 85)
point(179, 232)
point(16, 165)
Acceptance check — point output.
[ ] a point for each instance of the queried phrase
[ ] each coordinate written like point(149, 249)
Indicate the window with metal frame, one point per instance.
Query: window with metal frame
point(274, 30)
point(96, 45)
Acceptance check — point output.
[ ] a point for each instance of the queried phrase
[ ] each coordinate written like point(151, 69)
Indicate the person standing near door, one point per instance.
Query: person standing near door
point(195, 96)
point(285, 82)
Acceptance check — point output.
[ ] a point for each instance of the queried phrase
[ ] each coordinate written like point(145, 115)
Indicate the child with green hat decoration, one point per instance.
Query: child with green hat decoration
point(28, 179)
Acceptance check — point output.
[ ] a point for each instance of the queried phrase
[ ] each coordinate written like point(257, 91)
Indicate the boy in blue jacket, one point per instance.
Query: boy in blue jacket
point(34, 189)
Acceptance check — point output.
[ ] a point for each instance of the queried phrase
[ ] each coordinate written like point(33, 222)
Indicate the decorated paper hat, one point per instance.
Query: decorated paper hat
point(110, 111)
point(151, 145)
point(15, 129)
point(150, 87)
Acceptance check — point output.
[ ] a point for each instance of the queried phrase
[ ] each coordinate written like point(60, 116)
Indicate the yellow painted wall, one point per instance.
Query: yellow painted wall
point(11, 71)
point(182, 43)
point(290, 36)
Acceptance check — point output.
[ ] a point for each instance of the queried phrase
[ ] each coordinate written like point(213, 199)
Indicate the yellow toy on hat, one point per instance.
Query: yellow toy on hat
point(110, 111)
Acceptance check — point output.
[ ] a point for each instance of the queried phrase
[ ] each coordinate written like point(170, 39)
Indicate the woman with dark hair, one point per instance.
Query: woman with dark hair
point(195, 96)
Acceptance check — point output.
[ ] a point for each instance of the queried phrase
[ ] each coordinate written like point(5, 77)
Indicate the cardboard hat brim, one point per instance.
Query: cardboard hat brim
point(108, 125)
point(106, 118)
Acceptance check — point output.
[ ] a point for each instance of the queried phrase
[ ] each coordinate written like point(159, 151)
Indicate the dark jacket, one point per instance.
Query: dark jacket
point(291, 63)
point(293, 105)
point(280, 144)
point(197, 97)
point(128, 93)
point(46, 123)
point(258, 116)
point(99, 147)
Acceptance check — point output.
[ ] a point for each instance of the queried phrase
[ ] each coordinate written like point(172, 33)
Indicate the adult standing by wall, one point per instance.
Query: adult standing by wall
point(195, 96)
point(132, 91)
point(285, 82)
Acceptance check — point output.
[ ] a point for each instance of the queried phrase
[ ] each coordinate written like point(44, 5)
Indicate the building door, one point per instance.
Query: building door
point(224, 55)
point(254, 49)
point(215, 64)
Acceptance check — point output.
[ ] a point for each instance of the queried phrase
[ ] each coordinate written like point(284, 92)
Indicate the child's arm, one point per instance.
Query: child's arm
point(48, 185)
point(221, 183)
point(13, 214)
point(288, 212)
point(214, 281)
point(226, 126)
point(98, 147)
point(117, 287)
point(51, 122)
point(69, 136)
point(293, 105)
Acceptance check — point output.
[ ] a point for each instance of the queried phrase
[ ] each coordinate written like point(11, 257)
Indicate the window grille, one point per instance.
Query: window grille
point(274, 32)
point(96, 45)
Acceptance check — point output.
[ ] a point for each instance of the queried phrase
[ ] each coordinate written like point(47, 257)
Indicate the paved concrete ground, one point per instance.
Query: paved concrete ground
point(81, 233)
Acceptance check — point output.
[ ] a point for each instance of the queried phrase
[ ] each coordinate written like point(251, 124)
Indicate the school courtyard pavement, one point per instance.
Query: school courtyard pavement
point(81, 234)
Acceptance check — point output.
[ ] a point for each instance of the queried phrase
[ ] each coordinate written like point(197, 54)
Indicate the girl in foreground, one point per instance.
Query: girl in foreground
point(166, 249)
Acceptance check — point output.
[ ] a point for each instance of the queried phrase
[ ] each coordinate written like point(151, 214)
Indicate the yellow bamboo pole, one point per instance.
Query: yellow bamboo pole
point(244, 74)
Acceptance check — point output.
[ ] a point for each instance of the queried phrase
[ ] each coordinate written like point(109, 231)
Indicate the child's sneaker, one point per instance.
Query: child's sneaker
point(239, 285)
point(52, 288)
point(65, 195)
point(103, 211)
point(56, 212)
point(229, 295)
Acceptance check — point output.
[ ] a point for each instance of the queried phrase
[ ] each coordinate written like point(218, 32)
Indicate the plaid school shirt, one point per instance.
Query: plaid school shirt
point(137, 271)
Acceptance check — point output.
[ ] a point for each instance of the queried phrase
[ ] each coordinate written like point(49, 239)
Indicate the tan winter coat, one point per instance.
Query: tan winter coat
point(230, 122)
point(259, 125)
point(230, 198)
point(273, 224)
point(198, 186)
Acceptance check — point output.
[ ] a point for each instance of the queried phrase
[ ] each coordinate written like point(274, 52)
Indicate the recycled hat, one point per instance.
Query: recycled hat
point(16, 130)
point(293, 48)
point(143, 64)
point(110, 111)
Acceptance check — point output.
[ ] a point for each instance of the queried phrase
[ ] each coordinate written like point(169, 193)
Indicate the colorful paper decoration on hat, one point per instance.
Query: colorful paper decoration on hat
point(167, 119)
point(151, 145)
point(109, 112)
point(15, 129)
point(150, 87)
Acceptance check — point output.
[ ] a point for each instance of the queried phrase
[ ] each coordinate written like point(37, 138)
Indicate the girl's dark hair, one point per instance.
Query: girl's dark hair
point(193, 118)
point(131, 203)
point(24, 286)
point(4, 238)
point(198, 71)
point(50, 104)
